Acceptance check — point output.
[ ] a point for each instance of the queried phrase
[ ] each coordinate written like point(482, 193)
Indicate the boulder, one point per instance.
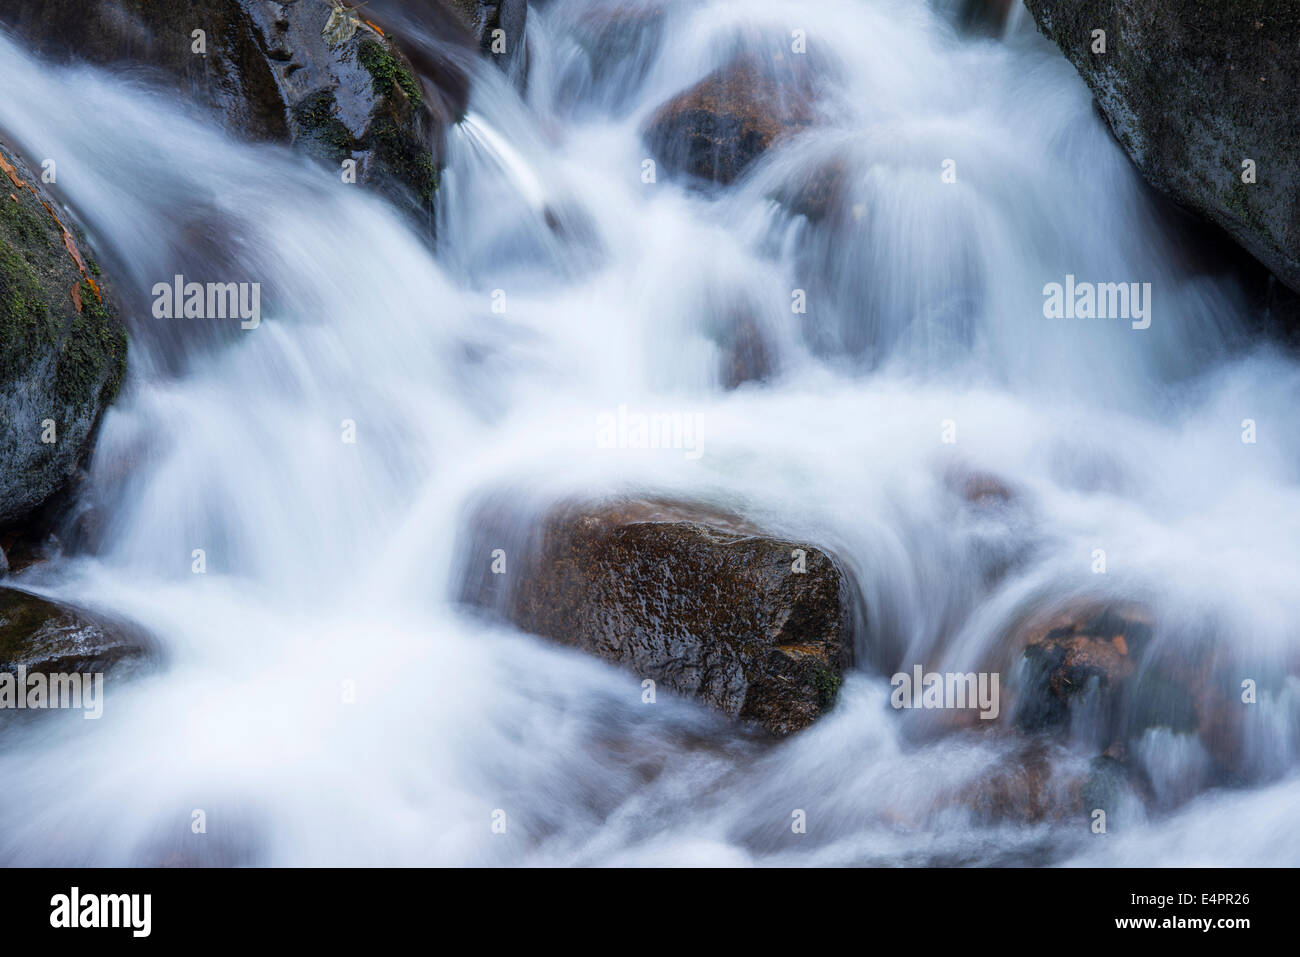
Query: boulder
point(1102, 675)
point(1096, 672)
point(1193, 92)
point(718, 127)
point(43, 637)
point(699, 602)
point(1089, 649)
point(333, 83)
point(353, 95)
point(62, 346)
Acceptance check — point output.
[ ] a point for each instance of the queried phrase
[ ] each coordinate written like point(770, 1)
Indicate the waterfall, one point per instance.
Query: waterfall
point(324, 697)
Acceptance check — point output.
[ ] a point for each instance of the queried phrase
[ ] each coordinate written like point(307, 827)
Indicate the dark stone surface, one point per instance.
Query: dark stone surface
point(1191, 89)
point(703, 605)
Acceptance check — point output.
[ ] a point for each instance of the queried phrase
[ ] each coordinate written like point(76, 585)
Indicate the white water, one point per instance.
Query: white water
point(331, 563)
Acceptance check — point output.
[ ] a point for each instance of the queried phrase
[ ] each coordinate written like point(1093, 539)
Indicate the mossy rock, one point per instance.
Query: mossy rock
point(358, 99)
point(269, 74)
point(62, 346)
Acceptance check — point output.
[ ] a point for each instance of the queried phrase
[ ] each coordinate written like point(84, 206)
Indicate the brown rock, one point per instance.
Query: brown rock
point(1088, 644)
point(722, 124)
point(699, 602)
point(1190, 687)
point(1042, 783)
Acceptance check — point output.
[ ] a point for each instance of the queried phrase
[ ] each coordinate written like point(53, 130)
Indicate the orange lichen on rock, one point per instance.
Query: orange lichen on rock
point(69, 243)
point(13, 173)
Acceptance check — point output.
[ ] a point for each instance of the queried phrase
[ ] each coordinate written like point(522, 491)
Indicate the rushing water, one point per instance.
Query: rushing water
point(335, 566)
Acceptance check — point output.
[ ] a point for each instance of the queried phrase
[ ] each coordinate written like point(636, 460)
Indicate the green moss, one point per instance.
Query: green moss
point(25, 322)
point(828, 683)
point(426, 175)
point(21, 225)
point(94, 351)
point(387, 70)
point(1237, 200)
point(317, 116)
point(409, 159)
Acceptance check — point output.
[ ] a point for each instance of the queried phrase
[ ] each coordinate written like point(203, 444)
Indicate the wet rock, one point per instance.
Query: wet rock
point(1096, 675)
point(1192, 91)
point(358, 99)
point(231, 75)
point(1085, 650)
point(62, 346)
point(269, 73)
point(699, 602)
point(43, 637)
point(499, 27)
point(718, 127)
point(1204, 682)
point(746, 355)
